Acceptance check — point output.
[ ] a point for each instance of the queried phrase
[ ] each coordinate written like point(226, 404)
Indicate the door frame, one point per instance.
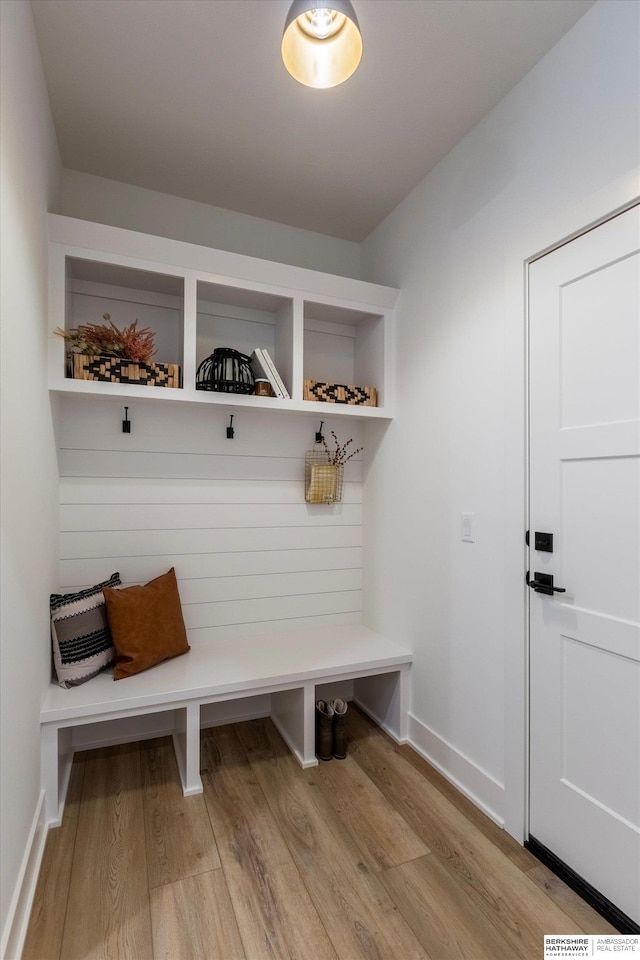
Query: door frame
point(536, 240)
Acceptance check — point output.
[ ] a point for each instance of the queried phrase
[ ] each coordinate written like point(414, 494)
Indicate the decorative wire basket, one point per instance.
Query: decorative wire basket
point(322, 480)
point(226, 371)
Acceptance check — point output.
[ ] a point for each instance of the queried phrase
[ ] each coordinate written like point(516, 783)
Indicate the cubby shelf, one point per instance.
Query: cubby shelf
point(315, 325)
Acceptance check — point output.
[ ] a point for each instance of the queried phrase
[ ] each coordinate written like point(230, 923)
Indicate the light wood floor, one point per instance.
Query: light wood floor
point(374, 857)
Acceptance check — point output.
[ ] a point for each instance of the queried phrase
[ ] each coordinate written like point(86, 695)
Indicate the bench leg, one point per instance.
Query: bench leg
point(385, 698)
point(293, 714)
point(186, 743)
point(56, 758)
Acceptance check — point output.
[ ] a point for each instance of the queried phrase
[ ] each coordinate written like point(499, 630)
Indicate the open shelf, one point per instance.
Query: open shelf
point(245, 319)
point(127, 294)
point(344, 345)
point(315, 326)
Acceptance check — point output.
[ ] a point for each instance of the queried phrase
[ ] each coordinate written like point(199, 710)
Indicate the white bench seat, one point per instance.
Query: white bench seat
point(287, 666)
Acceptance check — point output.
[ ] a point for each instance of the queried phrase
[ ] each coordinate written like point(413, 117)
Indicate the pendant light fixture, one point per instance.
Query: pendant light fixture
point(321, 43)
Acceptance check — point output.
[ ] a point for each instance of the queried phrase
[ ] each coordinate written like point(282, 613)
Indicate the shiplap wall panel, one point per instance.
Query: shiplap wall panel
point(124, 490)
point(205, 615)
point(230, 631)
point(219, 589)
point(125, 463)
point(201, 429)
point(132, 543)
point(203, 516)
point(230, 516)
point(82, 572)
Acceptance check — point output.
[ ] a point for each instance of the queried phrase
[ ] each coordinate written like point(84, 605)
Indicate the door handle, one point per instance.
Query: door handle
point(543, 583)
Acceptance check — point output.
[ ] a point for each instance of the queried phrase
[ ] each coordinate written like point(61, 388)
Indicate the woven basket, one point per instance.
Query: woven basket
point(340, 393)
point(82, 366)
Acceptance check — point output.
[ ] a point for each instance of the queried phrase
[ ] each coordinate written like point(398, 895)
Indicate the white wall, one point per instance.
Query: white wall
point(30, 178)
point(558, 152)
point(88, 197)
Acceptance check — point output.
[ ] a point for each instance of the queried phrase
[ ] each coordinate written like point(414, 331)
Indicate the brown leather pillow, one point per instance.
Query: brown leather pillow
point(146, 624)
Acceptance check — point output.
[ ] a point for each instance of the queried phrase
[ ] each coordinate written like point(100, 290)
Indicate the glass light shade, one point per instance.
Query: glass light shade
point(321, 43)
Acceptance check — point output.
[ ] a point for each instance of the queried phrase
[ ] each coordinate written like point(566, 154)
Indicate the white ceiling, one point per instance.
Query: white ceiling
point(190, 97)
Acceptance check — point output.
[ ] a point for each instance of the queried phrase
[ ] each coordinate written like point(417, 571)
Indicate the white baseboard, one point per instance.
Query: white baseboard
point(379, 721)
point(477, 785)
point(15, 930)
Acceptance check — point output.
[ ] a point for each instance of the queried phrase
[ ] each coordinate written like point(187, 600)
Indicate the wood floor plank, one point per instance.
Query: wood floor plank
point(296, 870)
point(384, 838)
point(510, 847)
point(507, 896)
point(358, 913)
point(446, 921)
point(193, 919)
point(276, 917)
point(179, 838)
point(46, 923)
point(556, 889)
point(108, 914)
point(570, 902)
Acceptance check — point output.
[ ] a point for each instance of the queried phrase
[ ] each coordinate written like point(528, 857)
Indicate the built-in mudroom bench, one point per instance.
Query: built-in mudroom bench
point(161, 468)
point(290, 668)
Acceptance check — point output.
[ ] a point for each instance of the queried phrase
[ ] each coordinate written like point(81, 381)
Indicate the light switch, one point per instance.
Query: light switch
point(467, 528)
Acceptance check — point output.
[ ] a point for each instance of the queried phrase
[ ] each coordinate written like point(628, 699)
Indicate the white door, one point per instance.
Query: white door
point(584, 376)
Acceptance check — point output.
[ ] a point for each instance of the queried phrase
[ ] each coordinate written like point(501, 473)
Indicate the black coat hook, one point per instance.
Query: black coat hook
point(126, 423)
point(230, 430)
point(319, 437)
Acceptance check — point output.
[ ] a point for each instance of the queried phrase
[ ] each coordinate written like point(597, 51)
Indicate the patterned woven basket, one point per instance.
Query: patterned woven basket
point(340, 393)
point(82, 366)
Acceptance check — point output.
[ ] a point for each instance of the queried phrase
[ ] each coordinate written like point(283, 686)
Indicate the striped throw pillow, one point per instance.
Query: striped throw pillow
point(80, 635)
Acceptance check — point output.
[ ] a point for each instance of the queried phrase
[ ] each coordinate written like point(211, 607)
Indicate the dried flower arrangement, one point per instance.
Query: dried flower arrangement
point(339, 455)
point(105, 339)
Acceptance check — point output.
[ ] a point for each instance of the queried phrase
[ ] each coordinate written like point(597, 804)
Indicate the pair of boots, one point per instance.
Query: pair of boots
point(331, 729)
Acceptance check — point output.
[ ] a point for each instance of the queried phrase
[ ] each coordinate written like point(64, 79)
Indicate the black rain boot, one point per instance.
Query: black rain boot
point(339, 728)
point(324, 730)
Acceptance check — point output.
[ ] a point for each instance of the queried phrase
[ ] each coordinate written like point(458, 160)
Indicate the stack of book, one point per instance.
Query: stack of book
point(265, 369)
